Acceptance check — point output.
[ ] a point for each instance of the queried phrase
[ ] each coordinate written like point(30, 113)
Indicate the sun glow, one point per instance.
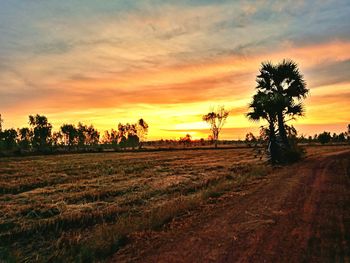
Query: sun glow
point(143, 64)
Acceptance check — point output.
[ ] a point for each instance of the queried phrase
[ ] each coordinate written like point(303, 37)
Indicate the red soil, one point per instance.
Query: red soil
point(300, 213)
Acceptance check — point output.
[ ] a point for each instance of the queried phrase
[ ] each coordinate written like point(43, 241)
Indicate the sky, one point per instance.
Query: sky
point(102, 62)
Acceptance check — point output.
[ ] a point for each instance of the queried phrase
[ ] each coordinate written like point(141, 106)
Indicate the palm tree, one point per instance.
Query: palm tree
point(287, 83)
point(264, 106)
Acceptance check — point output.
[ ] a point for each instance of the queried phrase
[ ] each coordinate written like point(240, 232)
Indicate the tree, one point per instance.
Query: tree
point(92, 136)
point(41, 132)
point(187, 140)
point(132, 141)
point(24, 138)
point(122, 135)
point(142, 130)
point(122, 131)
point(9, 138)
point(70, 134)
point(131, 135)
point(335, 137)
point(57, 138)
point(324, 137)
point(264, 107)
point(216, 120)
point(110, 137)
point(341, 137)
point(81, 134)
point(286, 82)
point(122, 142)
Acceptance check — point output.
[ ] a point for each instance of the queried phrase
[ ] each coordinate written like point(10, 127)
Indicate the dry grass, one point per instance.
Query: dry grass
point(82, 207)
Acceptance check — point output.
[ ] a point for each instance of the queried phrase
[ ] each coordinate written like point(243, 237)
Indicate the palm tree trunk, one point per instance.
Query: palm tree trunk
point(282, 130)
point(273, 144)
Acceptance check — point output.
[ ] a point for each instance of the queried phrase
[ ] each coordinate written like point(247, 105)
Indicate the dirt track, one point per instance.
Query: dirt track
point(299, 214)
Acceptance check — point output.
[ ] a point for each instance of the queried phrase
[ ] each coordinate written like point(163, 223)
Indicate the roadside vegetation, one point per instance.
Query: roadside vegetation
point(280, 91)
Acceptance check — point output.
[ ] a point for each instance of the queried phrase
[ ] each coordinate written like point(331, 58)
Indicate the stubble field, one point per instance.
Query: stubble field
point(83, 207)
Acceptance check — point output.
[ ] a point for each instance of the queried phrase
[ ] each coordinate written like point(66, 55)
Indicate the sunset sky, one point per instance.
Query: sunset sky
point(169, 62)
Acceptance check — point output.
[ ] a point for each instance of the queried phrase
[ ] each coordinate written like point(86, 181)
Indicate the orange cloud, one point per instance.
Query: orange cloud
point(189, 89)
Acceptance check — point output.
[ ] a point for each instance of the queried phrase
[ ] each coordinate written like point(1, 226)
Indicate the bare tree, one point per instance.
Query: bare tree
point(142, 130)
point(216, 119)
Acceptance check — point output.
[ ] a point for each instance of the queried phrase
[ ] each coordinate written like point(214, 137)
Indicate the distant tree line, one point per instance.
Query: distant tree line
point(323, 138)
point(40, 138)
point(188, 141)
point(127, 135)
point(327, 137)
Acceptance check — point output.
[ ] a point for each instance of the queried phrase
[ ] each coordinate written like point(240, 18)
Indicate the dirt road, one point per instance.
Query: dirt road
point(297, 214)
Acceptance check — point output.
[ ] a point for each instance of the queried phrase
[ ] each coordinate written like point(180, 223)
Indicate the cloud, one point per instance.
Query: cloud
point(329, 73)
point(57, 56)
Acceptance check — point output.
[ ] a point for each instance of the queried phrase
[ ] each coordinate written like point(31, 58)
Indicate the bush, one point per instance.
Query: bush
point(293, 155)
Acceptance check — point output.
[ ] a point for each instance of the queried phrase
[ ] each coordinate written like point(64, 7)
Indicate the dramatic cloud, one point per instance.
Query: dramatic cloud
point(111, 61)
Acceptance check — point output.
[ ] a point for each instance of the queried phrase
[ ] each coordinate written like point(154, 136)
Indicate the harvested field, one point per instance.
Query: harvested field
point(84, 207)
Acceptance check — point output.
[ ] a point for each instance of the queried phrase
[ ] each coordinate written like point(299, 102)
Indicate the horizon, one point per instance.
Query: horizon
point(169, 63)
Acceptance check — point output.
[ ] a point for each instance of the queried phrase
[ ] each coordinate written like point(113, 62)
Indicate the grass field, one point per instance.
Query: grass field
point(82, 207)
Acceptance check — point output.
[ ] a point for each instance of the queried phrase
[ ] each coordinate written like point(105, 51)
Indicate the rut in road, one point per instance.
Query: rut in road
point(299, 214)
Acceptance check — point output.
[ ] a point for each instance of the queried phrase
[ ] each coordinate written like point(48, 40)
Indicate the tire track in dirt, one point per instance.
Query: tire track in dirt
point(298, 214)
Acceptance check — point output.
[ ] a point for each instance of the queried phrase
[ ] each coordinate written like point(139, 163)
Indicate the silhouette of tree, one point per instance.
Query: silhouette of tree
point(216, 120)
point(57, 138)
point(142, 130)
point(187, 140)
point(335, 137)
point(81, 134)
point(122, 135)
point(324, 137)
point(92, 136)
point(341, 137)
point(128, 134)
point(132, 141)
point(24, 138)
point(9, 138)
point(110, 137)
point(122, 142)
point(41, 132)
point(288, 86)
point(70, 134)
point(264, 106)
point(122, 131)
